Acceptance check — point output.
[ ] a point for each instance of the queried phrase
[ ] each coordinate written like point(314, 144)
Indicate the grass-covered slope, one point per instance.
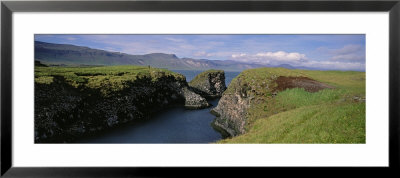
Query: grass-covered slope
point(106, 79)
point(74, 101)
point(296, 115)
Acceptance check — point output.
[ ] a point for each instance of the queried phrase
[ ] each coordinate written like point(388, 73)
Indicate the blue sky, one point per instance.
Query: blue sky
point(339, 52)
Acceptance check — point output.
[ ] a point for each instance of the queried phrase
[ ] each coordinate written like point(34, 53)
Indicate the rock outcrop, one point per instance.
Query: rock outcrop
point(64, 112)
point(209, 84)
point(193, 100)
point(232, 109)
point(252, 87)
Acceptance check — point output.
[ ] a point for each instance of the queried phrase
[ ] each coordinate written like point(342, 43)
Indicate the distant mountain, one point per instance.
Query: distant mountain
point(65, 54)
point(287, 66)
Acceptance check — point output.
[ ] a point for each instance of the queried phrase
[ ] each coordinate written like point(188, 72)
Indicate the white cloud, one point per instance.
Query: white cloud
point(342, 62)
point(282, 56)
point(217, 55)
point(200, 53)
point(348, 49)
point(273, 58)
point(335, 65)
point(178, 40)
point(239, 55)
point(348, 57)
point(71, 38)
point(346, 53)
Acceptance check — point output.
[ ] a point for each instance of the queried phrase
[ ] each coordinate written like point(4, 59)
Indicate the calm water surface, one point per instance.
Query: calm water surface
point(175, 125)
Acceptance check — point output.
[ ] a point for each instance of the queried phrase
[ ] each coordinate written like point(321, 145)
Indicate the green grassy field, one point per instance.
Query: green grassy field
point(106, 79)
point(297, 116)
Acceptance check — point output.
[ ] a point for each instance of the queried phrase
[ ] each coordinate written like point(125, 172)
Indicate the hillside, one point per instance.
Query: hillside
point(276, 105)
point(65, 54)
point(107, 80)
point(74, 101)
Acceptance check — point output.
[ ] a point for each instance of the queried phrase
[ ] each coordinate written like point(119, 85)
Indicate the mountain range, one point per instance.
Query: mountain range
point(72, 55)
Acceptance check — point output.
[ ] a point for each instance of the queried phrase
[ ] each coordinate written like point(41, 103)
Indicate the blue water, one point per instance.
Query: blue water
point(190, 74)
point(175, 125)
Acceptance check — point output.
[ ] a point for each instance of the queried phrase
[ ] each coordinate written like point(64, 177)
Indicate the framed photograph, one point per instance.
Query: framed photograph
point(134, 88)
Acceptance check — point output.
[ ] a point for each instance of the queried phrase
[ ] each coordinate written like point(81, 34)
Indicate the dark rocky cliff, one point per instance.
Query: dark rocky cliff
point(232, 108)
point(210, 83)
point(64, 112)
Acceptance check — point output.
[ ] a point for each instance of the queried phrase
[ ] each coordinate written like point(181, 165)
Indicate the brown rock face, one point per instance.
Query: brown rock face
point(308, 84)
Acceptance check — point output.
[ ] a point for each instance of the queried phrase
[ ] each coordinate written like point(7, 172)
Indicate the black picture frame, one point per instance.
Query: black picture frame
point(8, 7)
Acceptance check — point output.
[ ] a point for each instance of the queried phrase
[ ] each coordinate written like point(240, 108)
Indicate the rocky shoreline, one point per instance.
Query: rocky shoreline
point(63, 112)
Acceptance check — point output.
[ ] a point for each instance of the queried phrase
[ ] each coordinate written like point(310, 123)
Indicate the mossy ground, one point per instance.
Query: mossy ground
point(106, 79)
point(297, 116)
